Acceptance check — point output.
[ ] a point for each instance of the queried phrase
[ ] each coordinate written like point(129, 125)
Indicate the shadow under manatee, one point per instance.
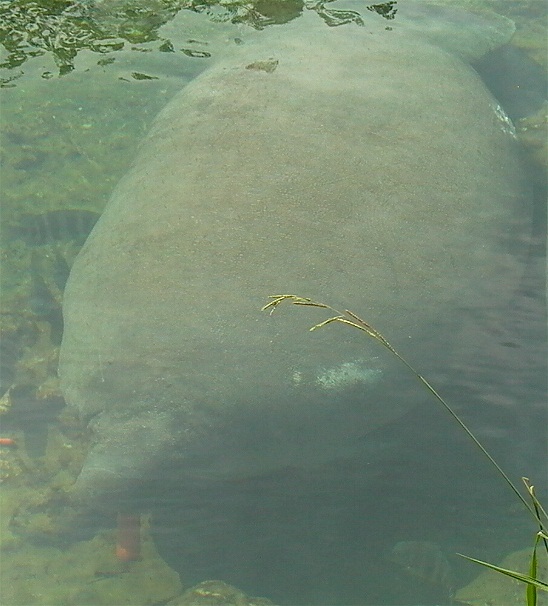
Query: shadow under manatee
point(322, 536)
point(518, 82)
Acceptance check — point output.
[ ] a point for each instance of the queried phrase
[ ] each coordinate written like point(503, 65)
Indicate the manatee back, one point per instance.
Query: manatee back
point(363, 169)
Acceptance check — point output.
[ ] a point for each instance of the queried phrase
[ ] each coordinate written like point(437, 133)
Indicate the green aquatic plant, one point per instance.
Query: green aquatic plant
point(534, 507)
point(533, 583)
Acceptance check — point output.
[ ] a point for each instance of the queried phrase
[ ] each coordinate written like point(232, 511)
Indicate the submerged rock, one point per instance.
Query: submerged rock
point(85, 573)
point(216, 593)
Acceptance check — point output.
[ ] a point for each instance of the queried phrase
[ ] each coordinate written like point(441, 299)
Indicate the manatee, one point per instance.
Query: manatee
point(365, 167)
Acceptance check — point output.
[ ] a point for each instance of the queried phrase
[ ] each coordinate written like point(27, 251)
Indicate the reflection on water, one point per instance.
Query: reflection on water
point(379, 529)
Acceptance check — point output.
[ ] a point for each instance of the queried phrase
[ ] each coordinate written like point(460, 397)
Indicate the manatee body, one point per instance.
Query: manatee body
point(366, 168)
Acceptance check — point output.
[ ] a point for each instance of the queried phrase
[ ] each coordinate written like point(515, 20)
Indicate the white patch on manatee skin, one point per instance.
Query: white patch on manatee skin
point(297, 377)
point(345, 375)
point(506, 124)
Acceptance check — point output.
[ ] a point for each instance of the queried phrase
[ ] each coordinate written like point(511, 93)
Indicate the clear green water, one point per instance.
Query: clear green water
point(81, 89)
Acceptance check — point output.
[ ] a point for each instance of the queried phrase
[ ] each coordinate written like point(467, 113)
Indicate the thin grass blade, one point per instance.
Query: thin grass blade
point(510, 573)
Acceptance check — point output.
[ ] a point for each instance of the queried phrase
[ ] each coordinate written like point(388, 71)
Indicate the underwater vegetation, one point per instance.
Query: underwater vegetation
point(81, 573)
point(31, 326)
point(10, 349)
point(36, 229)
point(39, 249)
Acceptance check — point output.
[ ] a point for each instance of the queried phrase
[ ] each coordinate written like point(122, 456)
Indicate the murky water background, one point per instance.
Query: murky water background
point(326, 537)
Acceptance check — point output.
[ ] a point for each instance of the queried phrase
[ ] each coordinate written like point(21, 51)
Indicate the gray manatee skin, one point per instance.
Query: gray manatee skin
point(368, 169)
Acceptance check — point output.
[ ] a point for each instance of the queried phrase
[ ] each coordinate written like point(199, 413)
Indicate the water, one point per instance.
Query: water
point(297, 537)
